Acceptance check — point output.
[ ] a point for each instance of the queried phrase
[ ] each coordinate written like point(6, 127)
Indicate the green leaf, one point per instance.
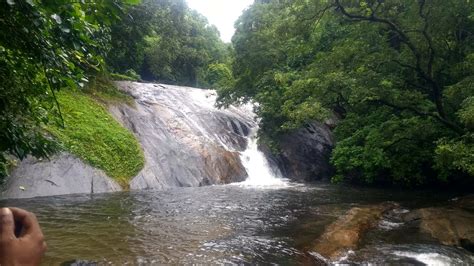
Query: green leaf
point(132, 2)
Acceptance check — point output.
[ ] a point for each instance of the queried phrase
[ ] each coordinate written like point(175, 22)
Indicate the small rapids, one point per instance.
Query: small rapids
point(189, 216)
point(227, 224)
point(418, 254)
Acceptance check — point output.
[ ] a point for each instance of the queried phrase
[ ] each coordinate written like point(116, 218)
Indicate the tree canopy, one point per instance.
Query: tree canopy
point(397, 75)
point(46, 46)
point(164, 40)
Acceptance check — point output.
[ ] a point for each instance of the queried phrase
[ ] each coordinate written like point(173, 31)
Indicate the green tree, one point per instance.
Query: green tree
point(127, 42)
point(219, 76)
point(397, 74)
point(181, 46)
point(45, 46)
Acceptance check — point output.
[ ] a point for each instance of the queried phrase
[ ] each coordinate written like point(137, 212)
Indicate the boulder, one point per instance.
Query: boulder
point(346, 232)
point(450, 226)
point(61, 174)
point(304, 154)
point(223, 165)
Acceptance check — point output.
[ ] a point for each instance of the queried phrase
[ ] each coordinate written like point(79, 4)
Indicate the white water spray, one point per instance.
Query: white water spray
point(260, 173)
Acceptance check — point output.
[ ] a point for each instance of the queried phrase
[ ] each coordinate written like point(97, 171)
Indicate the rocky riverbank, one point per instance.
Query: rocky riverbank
point(186, 142)
point(451, 224)
point(61, 174)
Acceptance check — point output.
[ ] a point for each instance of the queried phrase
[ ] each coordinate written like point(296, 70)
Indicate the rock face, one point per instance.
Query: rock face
point(305, 153)
point(186, 140)
point(62, 174)
point(451, 226)
point(347, 231)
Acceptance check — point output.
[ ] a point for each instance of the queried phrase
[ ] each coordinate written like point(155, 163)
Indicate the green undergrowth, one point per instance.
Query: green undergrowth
point(92, 134)
point(103, 90)
point(117, 76)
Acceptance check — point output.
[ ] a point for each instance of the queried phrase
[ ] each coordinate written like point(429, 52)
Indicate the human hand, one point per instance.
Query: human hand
point(21, 239)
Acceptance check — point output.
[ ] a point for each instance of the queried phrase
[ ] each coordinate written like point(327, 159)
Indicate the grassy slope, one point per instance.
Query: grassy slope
point(95, 136)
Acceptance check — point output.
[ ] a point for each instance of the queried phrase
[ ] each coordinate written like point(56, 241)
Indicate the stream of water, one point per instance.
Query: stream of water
point(230, 223)
point(264, 219)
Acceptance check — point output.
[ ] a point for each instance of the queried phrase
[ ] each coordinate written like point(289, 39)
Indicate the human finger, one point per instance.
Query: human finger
point(7, 224)
point(28, 221)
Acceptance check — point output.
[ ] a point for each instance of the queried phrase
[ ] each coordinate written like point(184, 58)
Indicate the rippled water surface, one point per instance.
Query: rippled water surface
point(221, 224)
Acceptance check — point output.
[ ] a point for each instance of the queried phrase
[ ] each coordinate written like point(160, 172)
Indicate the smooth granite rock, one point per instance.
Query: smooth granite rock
point(62, 174)
point(186, 140)
point(450, 226)
point(347, 231)
point(304, 154)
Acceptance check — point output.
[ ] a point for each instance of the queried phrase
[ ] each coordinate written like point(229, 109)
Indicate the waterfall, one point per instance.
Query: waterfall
point(260, 173)
point(188, 142)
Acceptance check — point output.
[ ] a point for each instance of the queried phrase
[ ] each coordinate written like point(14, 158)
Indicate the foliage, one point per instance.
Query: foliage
point(397, 74)
point(132, 74)
point(219, 76)
point(129, 75)
point(164, 40)
point(103, 89)
point(45, 46)
point(92, 134)
point(457, 154)
point(182, 46)
point(127, 43)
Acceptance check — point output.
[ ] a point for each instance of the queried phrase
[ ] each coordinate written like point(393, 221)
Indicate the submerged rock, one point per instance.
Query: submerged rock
point(62, 174)
point(346, 232)
point(305, 153)
point(466, 202)
point(450, 226)
point(79, 263)
point(186, 140)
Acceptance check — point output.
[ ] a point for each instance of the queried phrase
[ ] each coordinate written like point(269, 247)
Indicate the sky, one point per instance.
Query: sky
point(221, 13)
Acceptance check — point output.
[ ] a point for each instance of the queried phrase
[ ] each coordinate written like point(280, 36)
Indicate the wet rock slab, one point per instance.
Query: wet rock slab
point(304, 153)
point(449, 225)
point(62, 174)
point(187, 141)
point(346, 232)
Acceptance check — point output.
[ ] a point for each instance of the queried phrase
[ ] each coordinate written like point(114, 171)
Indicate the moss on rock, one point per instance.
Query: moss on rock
point(92, 134)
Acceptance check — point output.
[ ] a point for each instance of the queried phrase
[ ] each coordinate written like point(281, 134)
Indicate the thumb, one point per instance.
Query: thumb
point(7, 224)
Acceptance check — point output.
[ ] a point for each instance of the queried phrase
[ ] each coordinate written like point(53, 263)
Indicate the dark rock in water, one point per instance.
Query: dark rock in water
point(62, 174)
point(450, 226)
point(466, 202)
point(305, 153)
point(79, 263)
point(346, 232)
point(186, 140)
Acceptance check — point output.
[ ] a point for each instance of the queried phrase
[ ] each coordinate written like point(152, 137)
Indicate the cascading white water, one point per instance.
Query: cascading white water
point(260, 173)
point(188, 141)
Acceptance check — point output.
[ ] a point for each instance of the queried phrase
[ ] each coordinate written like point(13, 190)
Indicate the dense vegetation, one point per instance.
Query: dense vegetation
point(397, 75)
point(93, 134)
point(166, 41)
point(44, 47)
point(70, 46)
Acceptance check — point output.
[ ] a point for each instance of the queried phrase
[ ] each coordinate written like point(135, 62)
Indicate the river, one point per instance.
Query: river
point(264, 219)
point(226, 224)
